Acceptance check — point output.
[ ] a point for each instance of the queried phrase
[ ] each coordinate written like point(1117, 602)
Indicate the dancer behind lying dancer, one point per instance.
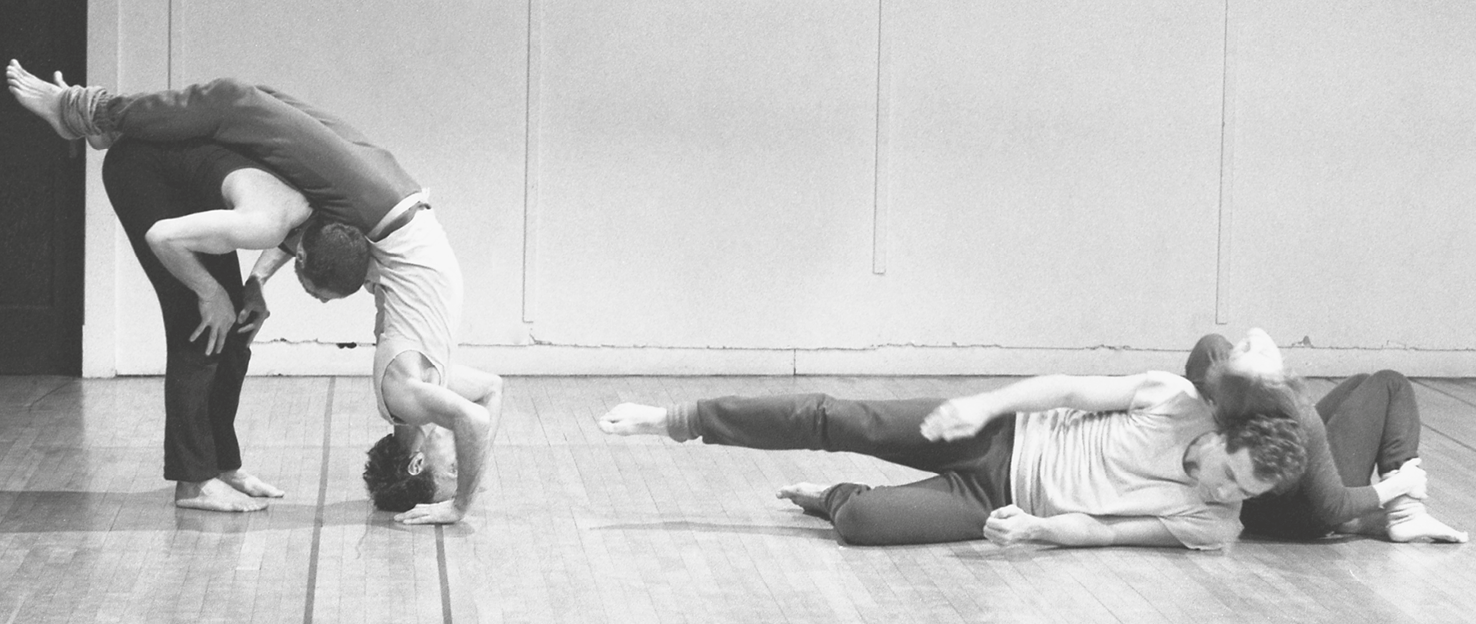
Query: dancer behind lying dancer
point(1367, 422)
point(416, 281)
point(1074, 461)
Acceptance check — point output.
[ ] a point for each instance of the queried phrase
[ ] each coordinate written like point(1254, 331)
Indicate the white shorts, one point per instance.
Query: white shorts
point(417, 289)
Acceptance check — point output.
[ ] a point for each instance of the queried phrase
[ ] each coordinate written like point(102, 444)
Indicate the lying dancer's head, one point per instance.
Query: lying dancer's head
point(1257, 404)
point(332, 258)
point(411, 466)
point(1256, 455)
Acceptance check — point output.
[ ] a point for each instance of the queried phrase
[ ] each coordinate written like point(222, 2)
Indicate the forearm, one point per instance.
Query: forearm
point(473, 431)
point(1036, 394)
point(268, 263)
point(185, 266)
point(1078, 529)
point(1075, 529)
point(1332, 501)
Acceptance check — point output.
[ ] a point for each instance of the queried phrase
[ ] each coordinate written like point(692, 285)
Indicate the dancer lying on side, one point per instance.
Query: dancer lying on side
point(1074, 461)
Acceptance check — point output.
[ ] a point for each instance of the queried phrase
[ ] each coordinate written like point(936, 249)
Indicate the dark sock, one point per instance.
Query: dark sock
point(681, 422)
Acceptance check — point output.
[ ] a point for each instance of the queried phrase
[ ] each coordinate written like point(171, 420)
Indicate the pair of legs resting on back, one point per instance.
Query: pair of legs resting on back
point(443, 414)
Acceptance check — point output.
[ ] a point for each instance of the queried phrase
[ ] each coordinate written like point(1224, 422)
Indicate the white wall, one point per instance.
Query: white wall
point(827, 186)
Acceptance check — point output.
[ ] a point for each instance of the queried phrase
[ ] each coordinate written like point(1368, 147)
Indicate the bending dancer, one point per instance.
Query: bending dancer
point(199, 295)
point(1366, 423)
point(416, 281)
point(1074, 461)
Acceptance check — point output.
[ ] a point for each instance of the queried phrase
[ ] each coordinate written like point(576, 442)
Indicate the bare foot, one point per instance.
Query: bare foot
point(809, 496)
point(634, 419)
point(213, 495)
point(247, 483)
point(37, 95)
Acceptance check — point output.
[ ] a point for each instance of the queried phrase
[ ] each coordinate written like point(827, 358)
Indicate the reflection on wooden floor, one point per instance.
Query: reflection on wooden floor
point(576, 526)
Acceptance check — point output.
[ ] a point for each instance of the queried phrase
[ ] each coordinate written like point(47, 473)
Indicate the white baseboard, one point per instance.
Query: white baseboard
point(328, 359)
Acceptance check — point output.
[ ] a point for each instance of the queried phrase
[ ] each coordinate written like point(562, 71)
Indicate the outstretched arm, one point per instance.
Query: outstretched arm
point(1010, 525)
point(966, 416)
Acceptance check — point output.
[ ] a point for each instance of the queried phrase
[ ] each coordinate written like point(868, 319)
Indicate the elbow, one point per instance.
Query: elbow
point(493, 391)
point(161, 236)
point(473, 419)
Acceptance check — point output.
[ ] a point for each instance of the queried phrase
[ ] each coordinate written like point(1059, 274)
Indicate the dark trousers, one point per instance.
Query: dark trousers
point(200, 392)
point(340, 172)
point(1372, 422)
point(972, 480)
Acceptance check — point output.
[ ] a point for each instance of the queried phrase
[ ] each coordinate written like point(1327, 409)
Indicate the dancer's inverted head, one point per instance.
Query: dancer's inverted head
point(411, 466)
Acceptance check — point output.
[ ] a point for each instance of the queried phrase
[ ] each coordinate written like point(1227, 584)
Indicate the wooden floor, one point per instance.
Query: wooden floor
point(576, 526)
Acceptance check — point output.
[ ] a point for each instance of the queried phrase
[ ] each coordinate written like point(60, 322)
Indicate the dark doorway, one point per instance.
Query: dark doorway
point(41, 198)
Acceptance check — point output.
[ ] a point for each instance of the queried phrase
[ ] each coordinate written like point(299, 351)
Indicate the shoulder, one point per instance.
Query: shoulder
point(1159, 387)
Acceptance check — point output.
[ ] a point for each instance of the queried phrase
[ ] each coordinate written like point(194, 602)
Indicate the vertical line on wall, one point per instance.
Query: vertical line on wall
point(881, 208)
point(169, 53)
point(530, 163)
point(1227, 174)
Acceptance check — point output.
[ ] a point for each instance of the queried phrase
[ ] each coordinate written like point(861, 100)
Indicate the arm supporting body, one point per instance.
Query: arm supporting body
point(466, 407)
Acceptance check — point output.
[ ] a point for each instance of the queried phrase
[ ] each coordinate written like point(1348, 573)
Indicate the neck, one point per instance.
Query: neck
point(1193, 451)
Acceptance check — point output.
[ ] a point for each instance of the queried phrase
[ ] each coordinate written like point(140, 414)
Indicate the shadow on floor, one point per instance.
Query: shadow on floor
point(61, 512)
point(718, 527)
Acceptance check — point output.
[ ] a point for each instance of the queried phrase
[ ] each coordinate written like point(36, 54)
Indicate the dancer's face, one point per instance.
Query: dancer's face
point(321, 294)
point(1224, 477)
point(434, 448)
point(1256, 356)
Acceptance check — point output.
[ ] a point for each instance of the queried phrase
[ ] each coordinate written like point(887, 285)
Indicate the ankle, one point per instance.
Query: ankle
point(682, 423)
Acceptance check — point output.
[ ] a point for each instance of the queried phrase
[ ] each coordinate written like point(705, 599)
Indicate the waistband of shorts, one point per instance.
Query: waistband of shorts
point(397, 216)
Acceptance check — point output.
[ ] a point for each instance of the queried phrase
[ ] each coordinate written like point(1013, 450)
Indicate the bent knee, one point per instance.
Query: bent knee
point(1391, 378)
point(229, 87)
point(860, 524)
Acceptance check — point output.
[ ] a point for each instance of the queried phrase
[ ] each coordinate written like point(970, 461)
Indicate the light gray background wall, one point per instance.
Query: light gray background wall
point(831, 186)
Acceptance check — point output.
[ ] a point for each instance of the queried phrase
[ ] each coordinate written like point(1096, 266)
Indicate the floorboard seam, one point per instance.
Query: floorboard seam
point(1442, 433)
point(312, 579)
point(441, 567)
